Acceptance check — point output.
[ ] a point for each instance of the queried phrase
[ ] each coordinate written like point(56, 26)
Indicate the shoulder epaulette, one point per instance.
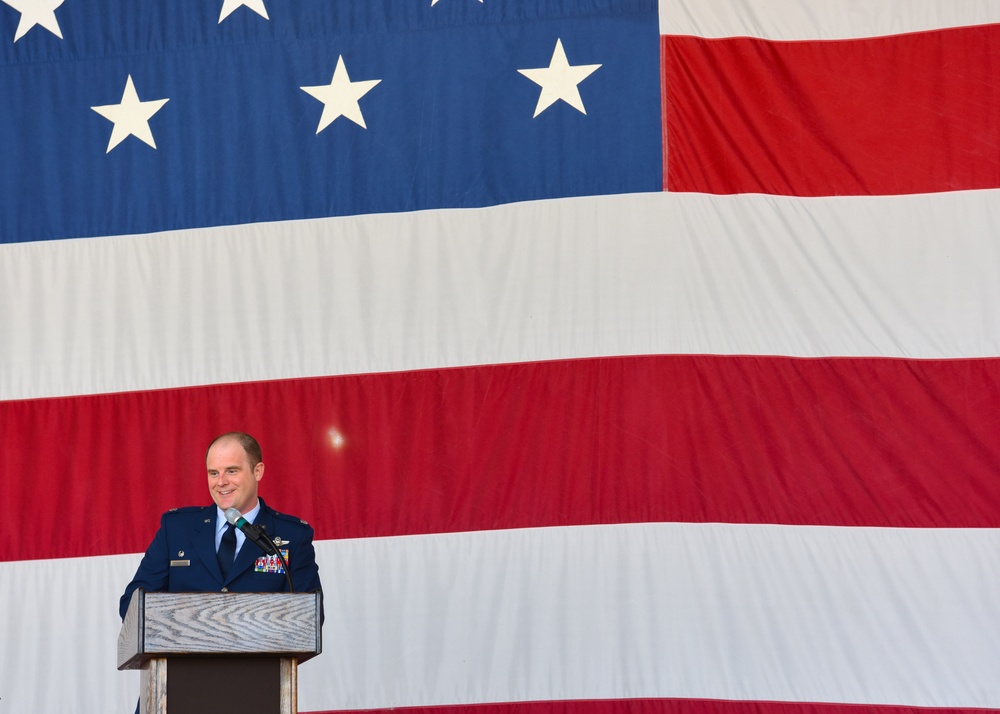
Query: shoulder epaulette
point(292, 519)
point(187, 509)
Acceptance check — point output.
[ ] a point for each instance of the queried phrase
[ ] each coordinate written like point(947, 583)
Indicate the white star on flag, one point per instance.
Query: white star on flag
point(229, 5)
point(340, 97)
point(130, 116)
point(36, 12)
point(559, 81)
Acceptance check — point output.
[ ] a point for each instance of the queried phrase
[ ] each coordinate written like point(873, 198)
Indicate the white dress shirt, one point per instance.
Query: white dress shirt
point(221, 523)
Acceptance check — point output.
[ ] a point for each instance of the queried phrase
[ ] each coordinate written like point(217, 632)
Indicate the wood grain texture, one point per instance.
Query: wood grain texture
point(234, 624)
point(153, 686)
point(289, 685)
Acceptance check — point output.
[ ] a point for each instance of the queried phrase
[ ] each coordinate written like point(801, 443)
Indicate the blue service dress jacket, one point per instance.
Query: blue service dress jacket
point(182, 557)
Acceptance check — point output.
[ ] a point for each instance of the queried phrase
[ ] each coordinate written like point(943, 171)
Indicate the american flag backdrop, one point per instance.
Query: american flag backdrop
point(627, 357)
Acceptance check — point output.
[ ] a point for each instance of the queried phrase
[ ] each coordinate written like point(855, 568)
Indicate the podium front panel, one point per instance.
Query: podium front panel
point(208, 685)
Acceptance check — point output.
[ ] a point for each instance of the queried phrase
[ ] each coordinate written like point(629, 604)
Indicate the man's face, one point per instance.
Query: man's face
point(231, 481)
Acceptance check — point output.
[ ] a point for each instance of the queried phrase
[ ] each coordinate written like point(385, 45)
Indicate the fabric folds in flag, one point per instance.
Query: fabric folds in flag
point(627, 357)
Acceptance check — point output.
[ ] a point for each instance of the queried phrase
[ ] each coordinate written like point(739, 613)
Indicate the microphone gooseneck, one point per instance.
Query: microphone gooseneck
point(258, 536)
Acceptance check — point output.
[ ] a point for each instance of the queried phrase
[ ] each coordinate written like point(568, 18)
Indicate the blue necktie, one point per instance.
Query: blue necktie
point(227, 550)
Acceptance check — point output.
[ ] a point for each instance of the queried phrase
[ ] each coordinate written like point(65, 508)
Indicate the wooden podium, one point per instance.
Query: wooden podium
point(208, 652)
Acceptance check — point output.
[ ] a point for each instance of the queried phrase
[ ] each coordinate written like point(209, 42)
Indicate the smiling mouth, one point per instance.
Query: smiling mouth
point(226, 493)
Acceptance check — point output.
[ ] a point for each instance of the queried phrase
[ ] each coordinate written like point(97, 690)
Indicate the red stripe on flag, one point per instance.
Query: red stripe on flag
point(669, 706)
point(912, 113)
point(851, 442)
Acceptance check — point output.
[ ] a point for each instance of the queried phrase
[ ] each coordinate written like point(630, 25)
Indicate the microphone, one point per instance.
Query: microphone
point(250, 530)
point(258, 536)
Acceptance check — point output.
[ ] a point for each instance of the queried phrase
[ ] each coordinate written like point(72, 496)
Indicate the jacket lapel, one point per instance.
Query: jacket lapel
point(204, 544)
point(250, 551)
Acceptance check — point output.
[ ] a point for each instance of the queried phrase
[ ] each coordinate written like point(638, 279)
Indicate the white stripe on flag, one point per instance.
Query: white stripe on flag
point(821, 20)
point(60, 633)
point(738, 612)
point(905, 276)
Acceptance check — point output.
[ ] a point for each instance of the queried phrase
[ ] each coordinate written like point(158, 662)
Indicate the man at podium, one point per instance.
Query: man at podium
point(197, 549)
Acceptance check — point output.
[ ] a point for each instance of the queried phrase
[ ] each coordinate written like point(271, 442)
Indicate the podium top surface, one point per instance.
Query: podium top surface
point(223, 624)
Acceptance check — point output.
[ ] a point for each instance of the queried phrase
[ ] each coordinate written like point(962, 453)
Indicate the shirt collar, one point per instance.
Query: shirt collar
point(220, 516)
